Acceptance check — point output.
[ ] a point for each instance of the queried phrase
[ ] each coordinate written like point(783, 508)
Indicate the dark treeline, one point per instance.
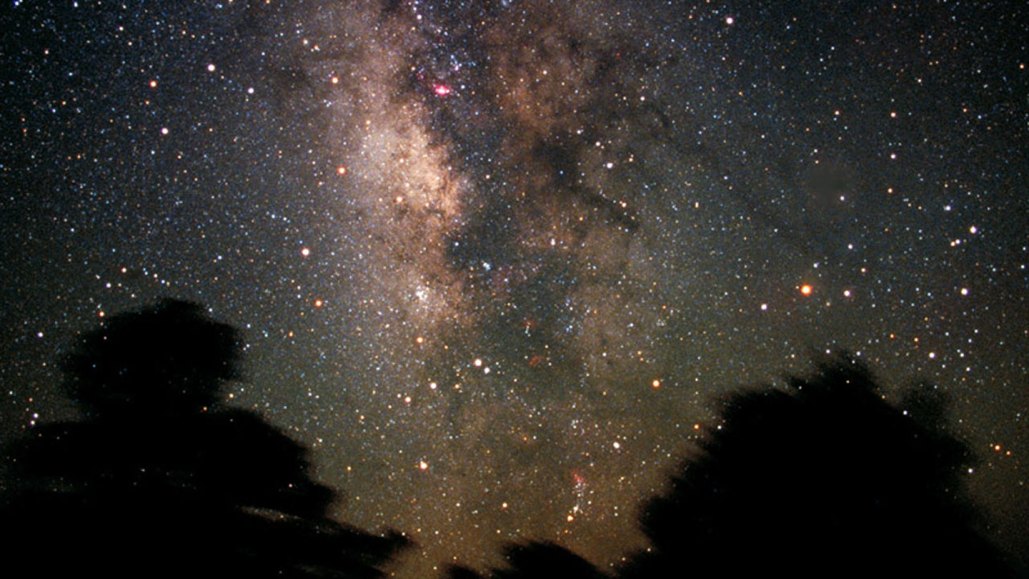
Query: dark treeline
point(824, 479)
point(158, 478)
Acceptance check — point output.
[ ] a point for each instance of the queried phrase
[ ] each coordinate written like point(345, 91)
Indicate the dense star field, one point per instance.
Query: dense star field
point(495, 262)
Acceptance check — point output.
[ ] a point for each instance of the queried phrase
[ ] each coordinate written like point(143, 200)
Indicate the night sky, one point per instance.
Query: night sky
point(495, 262)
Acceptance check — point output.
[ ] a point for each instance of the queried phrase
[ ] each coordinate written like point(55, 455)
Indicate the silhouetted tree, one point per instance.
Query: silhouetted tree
point(159, 480)
point(825, 479)
point(534, 560)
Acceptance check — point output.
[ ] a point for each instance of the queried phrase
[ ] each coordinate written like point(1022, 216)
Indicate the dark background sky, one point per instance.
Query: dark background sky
point(495, 262)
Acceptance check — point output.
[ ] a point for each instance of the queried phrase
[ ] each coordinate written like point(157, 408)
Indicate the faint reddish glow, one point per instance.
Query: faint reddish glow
point(441, 90)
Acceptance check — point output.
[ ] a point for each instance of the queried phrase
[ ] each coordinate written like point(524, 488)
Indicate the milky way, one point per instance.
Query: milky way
point(496, 262)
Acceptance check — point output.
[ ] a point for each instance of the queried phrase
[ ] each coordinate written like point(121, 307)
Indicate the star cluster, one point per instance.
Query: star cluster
point(496, 261)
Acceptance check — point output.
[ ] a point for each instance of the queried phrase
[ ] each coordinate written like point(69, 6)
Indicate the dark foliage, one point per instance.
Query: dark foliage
point(158, 480)
point(535, 560)
point(826, 479)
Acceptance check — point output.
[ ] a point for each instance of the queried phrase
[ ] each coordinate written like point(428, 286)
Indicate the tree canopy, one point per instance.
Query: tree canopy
point(824, 478)
point(159, 478)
